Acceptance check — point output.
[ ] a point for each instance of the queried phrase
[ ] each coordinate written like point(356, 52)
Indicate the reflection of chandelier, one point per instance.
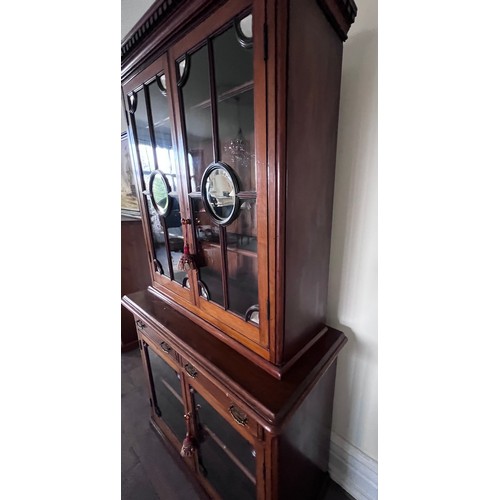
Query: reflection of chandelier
point(238, 147)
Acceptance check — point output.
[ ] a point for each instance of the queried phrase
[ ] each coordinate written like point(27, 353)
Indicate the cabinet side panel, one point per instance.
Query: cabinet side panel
point(305, 442)
point(314, 71)
point(134, 274)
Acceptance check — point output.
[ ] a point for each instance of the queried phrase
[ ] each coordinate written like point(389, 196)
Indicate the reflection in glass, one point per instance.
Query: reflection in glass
point(147, 164)
point(159, 192)
point(160, 110)
point(242, 281)
point(254, 317)
point(209, 251)
point(203, 289)
point(175, 237)
point(198, 117)
point(221, 468)
point(219, 193)
point(235, 106)
point(182, 67)
point(167, 388)
point(166, 228)
point(245, 26)
point(242, 259)
point(162, 83)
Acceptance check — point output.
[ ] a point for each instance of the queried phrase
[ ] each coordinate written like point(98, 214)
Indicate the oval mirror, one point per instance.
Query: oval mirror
point(159, 189)
point(219, 189)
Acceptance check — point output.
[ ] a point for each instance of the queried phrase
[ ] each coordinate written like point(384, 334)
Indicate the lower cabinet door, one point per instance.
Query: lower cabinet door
point(225, 458)
point(167, 394)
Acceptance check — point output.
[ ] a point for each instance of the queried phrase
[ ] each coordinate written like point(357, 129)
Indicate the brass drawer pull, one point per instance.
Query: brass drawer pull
point(165, 347)
point(140, 324)
point(239, 417)
point(190, 370)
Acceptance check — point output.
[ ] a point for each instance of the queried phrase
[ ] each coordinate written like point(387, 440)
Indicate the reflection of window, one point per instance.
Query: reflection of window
point(191, 171)
point(220, 189)
point(146, 154)
point(165, 158)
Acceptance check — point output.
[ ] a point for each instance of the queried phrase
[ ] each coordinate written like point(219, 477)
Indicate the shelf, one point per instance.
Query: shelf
point(228, 94)
point(231, 249)
point(228, 452)
point(172, 390)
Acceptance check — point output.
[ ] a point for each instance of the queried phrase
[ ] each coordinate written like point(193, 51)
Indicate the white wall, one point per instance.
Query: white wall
point(352, 301)
point(132, 11)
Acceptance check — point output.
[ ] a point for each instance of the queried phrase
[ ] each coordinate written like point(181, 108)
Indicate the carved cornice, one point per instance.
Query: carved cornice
point(165, 18)
point(340, 13)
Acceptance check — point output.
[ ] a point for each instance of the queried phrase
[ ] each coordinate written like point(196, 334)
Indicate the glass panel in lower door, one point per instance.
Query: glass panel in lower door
point(226, 459)
point(167, 391)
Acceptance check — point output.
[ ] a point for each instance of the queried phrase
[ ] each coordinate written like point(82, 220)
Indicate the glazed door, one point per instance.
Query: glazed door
point(167, 402)
point(226, 459)
point(148, 102)
point(220, 102)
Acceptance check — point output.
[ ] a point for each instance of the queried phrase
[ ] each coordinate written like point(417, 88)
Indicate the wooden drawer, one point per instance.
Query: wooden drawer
point(228, 406)
point(156, 339)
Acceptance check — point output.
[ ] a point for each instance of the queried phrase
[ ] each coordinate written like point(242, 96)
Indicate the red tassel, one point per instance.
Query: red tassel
point(187, 448)
point(186, 262)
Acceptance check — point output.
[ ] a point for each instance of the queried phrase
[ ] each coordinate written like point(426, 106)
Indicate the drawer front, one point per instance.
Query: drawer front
point(229, 407)
point(158, 341)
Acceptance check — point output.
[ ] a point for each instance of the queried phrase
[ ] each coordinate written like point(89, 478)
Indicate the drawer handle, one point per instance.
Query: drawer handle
point(191, 371)
point(239, 417)
point(140, 324)
point(165, 347)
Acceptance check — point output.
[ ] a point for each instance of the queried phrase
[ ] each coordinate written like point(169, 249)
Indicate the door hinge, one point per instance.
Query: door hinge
point(268, 310)
point(265, 42)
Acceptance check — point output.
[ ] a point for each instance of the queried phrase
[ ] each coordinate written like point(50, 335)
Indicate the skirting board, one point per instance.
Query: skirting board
point(349, 467)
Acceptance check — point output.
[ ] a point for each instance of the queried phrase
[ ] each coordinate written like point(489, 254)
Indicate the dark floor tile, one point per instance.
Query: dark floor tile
point(335, 492)
point(129, 459)
point(136, 485)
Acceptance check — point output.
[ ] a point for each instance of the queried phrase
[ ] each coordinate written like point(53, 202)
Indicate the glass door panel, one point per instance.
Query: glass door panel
point(242, 259)
point(168, 394)
point(235, 111)
point(198, 116)
point(147, 165)
point(217, 104)
point(151, 121)
point(209, 252)
point(162, 127)
point(226, 458)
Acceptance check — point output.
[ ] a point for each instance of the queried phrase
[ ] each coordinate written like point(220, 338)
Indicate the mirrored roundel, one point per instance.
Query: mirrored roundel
point(219, 190)
point(159, 189)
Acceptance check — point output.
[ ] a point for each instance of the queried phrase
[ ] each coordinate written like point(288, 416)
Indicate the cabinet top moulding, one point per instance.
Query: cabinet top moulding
point(166, 20)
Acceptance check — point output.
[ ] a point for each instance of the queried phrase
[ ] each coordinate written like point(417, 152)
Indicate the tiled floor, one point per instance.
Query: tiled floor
point(151, 470)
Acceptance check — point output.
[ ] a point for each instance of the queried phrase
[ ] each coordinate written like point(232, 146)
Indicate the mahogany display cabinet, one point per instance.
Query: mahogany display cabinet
point(233, 112)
